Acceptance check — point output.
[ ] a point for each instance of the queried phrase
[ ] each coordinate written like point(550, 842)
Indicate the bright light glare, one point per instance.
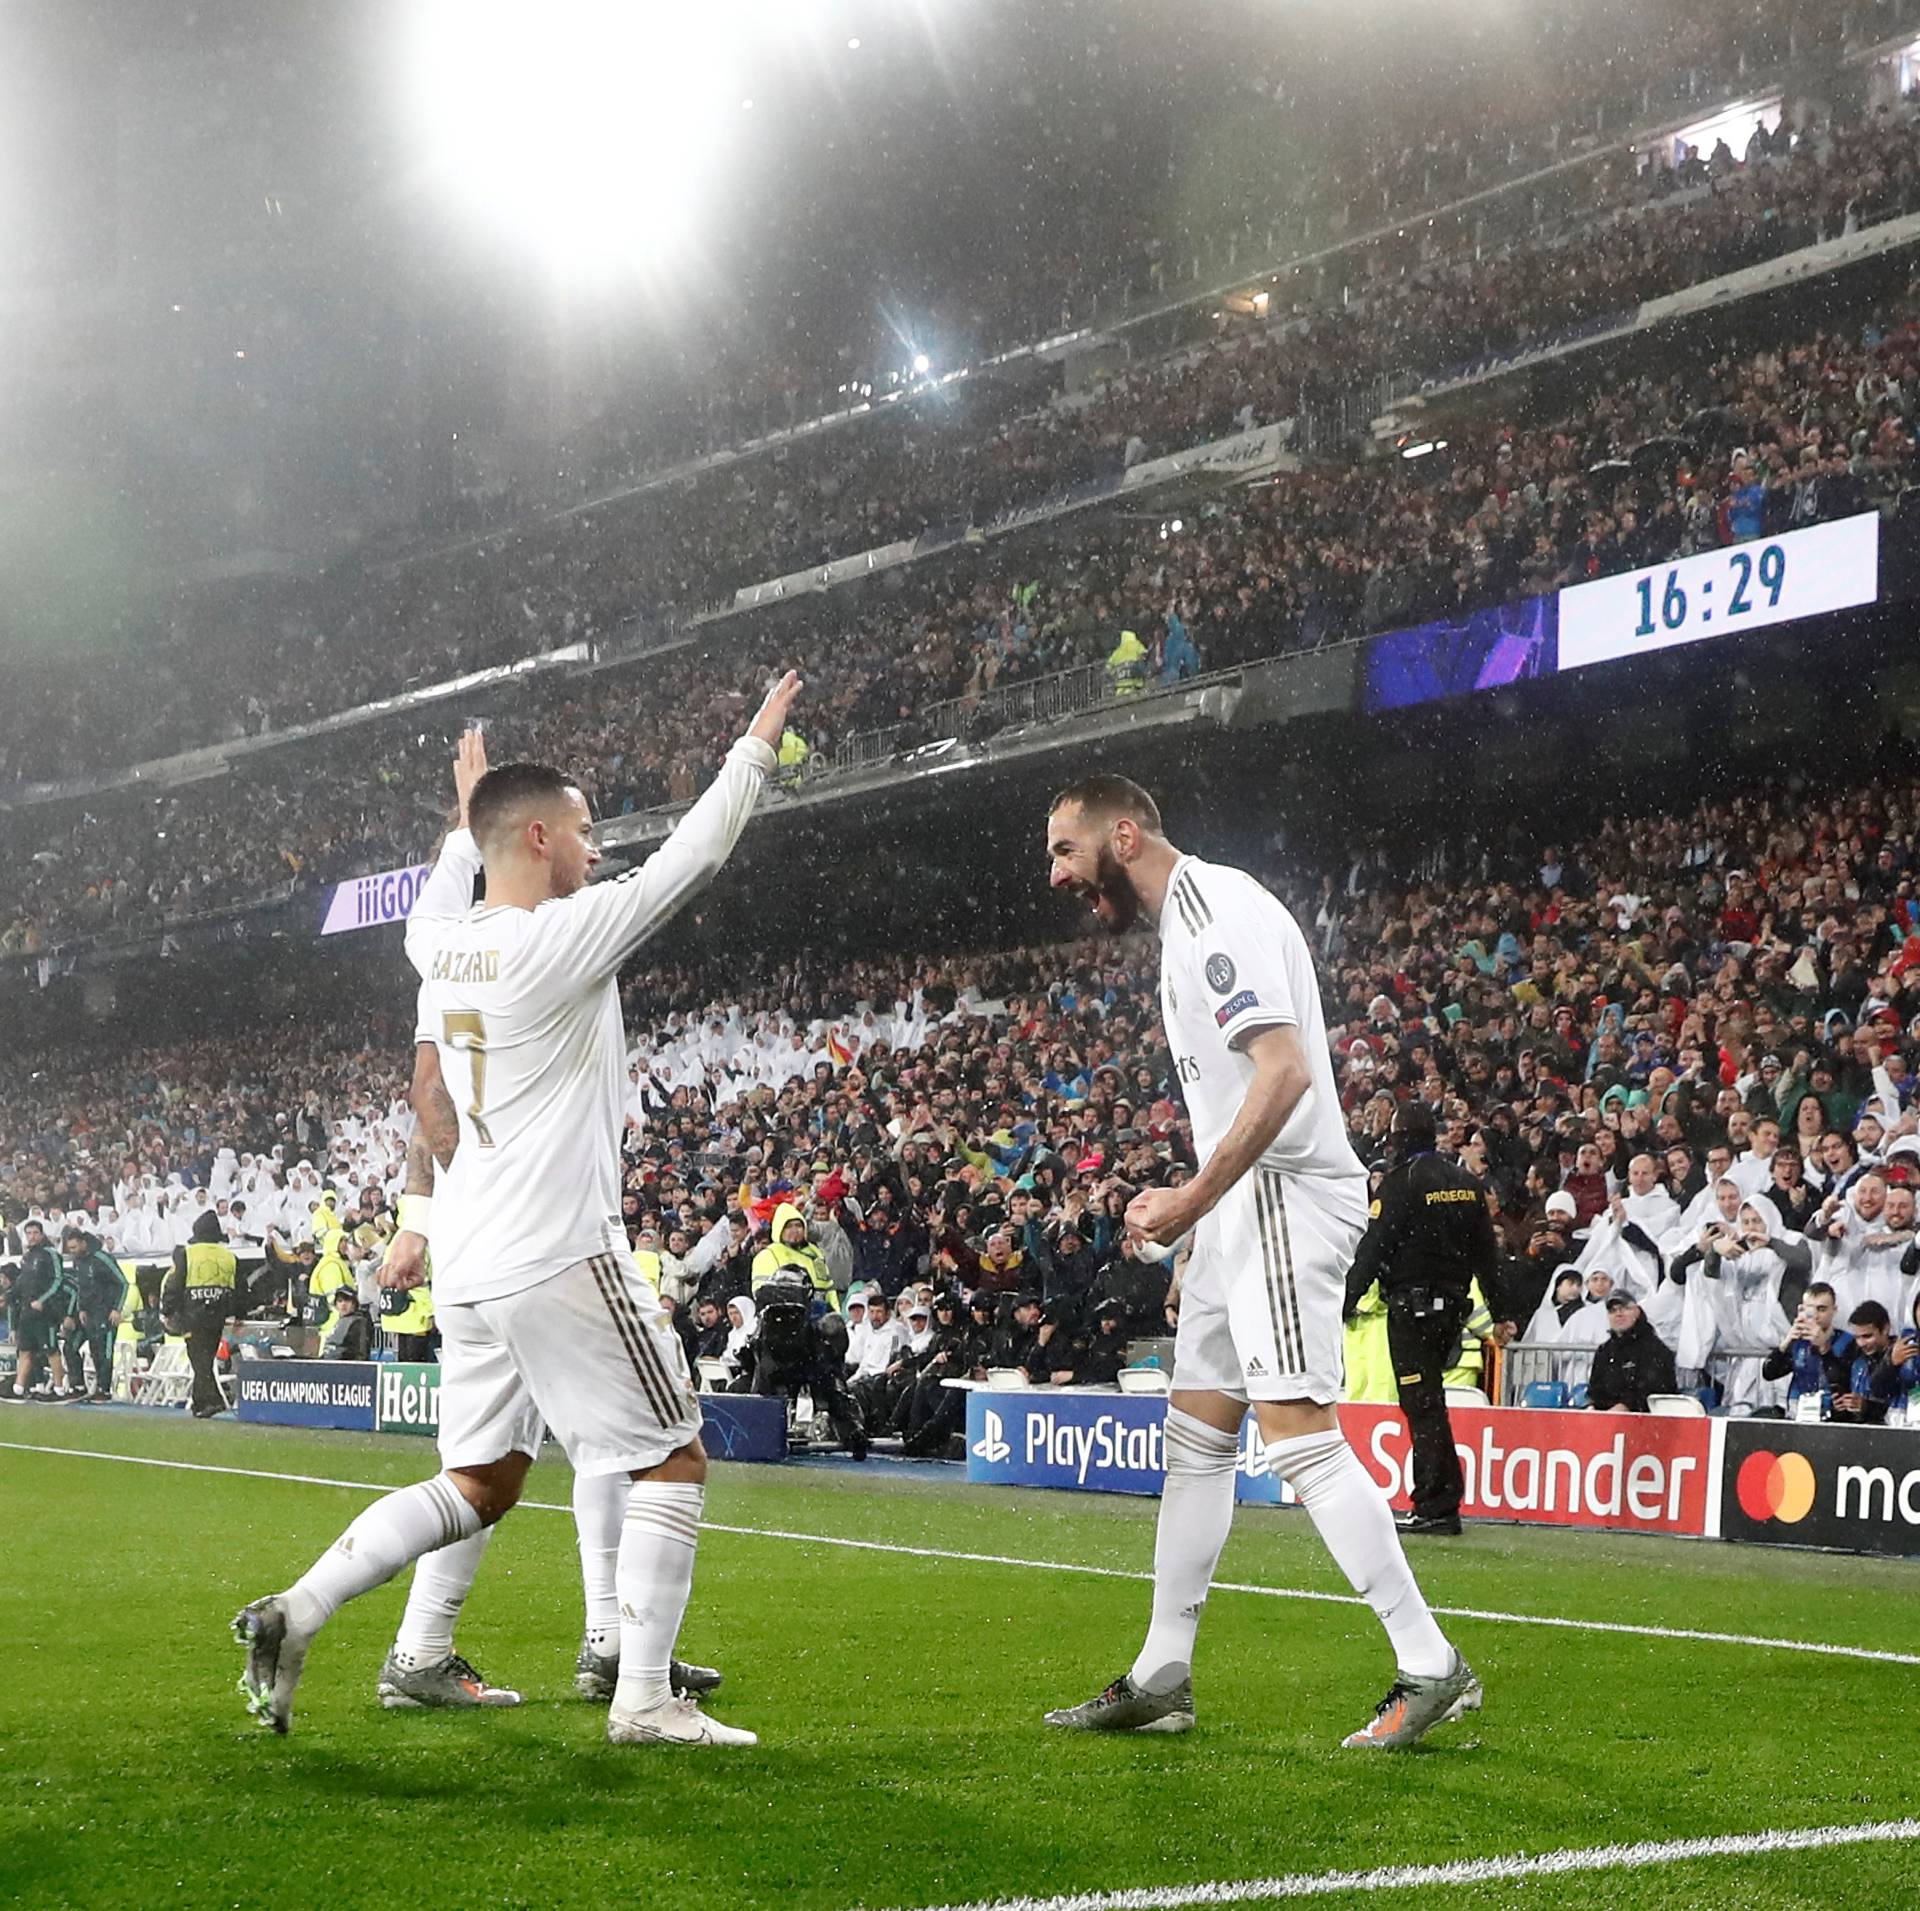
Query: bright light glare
point(585, 130)
point(922, 364)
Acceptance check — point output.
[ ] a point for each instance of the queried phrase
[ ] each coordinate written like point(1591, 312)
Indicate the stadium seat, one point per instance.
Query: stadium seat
point(1676, 1406)
point(1545, 1393)
point(1467, 1397)
point(1580, 1395)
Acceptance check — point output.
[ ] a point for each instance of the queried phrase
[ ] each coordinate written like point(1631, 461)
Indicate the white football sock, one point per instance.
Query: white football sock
point(441, 1582)
point(392, 1533)
point(655, 1579)
point(1354, 1520)
point(1196, 1513)
point(599, 1511)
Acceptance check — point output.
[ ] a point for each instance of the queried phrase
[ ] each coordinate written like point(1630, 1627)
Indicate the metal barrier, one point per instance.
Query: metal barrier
point(1525, 1362)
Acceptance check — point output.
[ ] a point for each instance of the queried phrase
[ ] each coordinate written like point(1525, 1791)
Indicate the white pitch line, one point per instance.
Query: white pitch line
point(1545, 1864)
point(1819, 1647)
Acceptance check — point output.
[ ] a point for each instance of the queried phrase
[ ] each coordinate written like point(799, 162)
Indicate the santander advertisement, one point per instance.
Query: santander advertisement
point(1631, 1472)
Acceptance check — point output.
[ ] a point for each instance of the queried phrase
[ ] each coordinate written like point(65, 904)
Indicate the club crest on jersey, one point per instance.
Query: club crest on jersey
point(1225, 1013)
point(1220, 973)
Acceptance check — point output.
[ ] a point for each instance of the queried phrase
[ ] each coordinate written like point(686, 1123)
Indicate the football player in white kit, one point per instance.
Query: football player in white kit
point(423, 1669)
point(1276, 1211)
point(543, 1314)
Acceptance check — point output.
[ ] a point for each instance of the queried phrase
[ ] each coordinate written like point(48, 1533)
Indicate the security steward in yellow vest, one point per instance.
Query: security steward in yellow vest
point(792, 1258)
point(203, 1294)
point(1430, 1238)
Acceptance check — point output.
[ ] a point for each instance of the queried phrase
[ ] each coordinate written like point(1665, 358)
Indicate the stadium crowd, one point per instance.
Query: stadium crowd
point(1419, 304)
point(1684, 1055)
point(1673, 461)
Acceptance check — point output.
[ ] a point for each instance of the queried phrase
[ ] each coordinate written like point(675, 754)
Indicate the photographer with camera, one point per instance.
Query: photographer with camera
point(792, 1259)
point(799, 1343)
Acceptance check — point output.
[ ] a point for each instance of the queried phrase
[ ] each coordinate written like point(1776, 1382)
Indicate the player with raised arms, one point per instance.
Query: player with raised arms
point(423, 1668)
point(543, 1314)
point(1275, 1214)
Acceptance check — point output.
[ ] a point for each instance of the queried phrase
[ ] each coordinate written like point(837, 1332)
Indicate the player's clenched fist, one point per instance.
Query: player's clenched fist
point(406, 1262)
point(1161, 1215)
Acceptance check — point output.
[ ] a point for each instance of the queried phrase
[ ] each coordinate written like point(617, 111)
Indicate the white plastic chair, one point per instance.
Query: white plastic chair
point(168, 1382)
point(1676, 1406)
point(1467, 1397)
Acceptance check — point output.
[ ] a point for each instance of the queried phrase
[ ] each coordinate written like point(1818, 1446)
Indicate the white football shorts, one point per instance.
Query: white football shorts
point(1261, 1298)
point(589, 1351)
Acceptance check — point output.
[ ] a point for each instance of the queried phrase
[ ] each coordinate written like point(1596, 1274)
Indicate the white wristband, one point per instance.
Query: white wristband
point(416, 1210)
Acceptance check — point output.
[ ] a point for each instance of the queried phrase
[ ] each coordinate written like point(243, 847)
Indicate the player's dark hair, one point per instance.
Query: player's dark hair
point(1111, 797)
point(501, 793)
point(1870, 1314)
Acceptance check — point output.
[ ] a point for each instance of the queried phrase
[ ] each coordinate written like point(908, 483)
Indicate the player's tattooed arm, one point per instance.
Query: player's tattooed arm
point(419, 1164)
point(436, 1134)
point(433, 1113)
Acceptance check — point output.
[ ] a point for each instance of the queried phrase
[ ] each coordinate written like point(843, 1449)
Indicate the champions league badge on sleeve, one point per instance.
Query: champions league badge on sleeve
point(1220, 973)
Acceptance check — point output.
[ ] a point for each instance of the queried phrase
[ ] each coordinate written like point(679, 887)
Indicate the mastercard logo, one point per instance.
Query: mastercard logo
point(1775, 1486)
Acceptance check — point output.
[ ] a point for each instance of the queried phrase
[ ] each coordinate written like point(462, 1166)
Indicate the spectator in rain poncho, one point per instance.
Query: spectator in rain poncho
point(742, 1318)
point(1572, 1320)
point(1867, 1238)
point(1741, 1295)
point(1626, 1240)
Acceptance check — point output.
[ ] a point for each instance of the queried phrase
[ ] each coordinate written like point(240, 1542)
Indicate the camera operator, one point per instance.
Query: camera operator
point(798, 1343)
point(792, 1259)
point(1430, 1238)
point(100, 1289)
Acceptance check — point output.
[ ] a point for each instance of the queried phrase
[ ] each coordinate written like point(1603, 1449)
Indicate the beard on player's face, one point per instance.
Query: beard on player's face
point(1110, 893)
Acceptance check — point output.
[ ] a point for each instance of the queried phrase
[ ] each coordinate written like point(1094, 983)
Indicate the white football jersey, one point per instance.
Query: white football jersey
point(1233, 960)
point(524, 1009)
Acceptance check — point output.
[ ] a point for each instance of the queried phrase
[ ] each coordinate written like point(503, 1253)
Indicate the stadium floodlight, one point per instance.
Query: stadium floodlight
point(922, 364)
point(585, 131)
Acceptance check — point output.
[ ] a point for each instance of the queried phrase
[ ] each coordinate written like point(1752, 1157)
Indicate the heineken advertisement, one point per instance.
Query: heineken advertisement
point(408, 1397)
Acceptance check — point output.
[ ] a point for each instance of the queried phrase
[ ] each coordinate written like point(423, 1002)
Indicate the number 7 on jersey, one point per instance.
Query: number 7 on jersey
point(466, 1030)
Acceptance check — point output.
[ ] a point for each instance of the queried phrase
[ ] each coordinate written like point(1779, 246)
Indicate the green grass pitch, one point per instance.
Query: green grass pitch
point(898, 1701)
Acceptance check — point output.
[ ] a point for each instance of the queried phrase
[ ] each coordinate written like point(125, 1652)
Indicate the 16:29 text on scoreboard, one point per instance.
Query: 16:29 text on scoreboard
point(1826, 567)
